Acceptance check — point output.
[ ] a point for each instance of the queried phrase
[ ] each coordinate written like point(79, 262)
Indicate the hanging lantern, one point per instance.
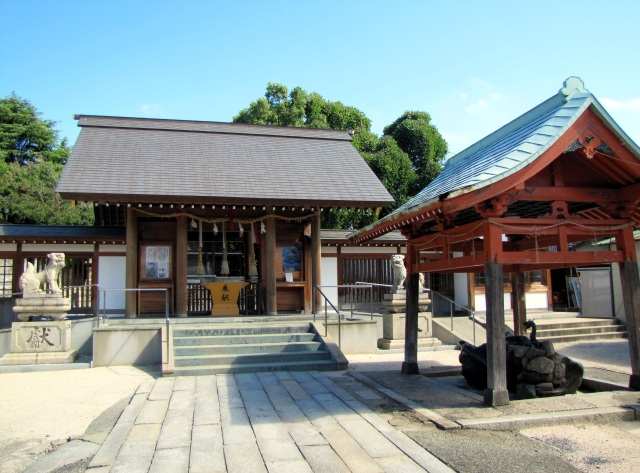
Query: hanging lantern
point(241, 229)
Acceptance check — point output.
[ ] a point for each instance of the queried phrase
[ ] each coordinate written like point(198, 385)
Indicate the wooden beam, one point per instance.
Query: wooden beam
point(270, 265)
point(95, 270)
point(573, 258)
point(316, 258)
point(519, 304)
point(181, 267)
point(496, 393)
point(630, 283)
point(131, 273)
point(451, 265)
point(410, 364)
point(599, 195)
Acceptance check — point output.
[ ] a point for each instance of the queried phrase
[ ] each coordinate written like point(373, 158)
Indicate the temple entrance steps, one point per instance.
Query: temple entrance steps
point(579, 329)
point(249, 348)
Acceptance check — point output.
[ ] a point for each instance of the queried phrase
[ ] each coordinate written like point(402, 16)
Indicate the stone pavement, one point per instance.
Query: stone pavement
point(276, 422)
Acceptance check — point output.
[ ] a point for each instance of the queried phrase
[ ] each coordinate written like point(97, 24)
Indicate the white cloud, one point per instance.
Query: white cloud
point(633, 104)
point(152, 110)
point(477, 106)
point(462, 95)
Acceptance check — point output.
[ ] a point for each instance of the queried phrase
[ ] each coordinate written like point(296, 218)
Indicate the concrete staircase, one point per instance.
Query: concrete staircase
point(249, 348)
point(579, 329)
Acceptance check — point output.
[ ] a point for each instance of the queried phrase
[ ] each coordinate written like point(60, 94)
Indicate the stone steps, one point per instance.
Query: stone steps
point(569, 331)
point(249, 347)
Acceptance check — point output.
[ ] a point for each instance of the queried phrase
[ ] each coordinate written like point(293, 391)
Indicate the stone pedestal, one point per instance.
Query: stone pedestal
point(393, 324)
point(397, 301)
point(45, 342)
point(42, 305)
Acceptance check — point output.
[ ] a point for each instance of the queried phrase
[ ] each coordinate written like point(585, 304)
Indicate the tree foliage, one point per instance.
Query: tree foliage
point(25, 137)
point(394, 169)
point(302, 109)
point(405, 159)
point(27, 192)
point(422, 142)
point(31, 162)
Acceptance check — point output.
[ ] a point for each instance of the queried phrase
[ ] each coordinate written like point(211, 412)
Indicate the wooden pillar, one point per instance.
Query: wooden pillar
point(410, 364)
point(496, 393)
point(316, 259)
point(630, 282)
point(18, 268)
point(181, 267)
point(95, 270)
point(519, 304)
point(131, 276)
point(270, 266)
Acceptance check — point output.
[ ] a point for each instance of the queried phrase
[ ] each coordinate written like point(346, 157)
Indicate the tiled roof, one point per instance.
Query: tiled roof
point(21, 231)
point(342, 237)
point(509, 149)
point(143, 160)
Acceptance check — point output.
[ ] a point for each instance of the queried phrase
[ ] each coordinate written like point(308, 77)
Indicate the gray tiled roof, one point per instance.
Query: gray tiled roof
point(143, 160)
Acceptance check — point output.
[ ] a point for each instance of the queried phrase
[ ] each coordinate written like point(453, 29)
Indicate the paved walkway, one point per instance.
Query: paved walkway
point(276, 422)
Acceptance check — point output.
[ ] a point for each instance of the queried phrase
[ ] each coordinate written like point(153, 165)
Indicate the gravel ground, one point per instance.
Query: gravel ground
point(42, 410)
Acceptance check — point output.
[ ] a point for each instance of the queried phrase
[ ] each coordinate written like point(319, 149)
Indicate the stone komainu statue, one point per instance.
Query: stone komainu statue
point(31, 280)
point(399, 271)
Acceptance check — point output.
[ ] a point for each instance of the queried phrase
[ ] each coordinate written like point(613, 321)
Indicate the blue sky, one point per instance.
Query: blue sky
point(474, 66)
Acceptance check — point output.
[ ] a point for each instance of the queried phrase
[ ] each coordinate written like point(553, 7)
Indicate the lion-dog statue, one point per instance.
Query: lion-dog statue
point(399, 272)
point(31, 280)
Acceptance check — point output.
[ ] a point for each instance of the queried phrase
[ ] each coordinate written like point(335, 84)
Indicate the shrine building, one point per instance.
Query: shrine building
point(205, 202)
point(524, 199)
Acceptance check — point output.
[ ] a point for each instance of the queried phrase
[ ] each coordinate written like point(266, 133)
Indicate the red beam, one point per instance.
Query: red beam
point(573, 258)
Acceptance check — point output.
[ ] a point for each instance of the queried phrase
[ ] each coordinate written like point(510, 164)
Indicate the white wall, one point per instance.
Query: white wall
point(330, 278)
point(112, 275)
point(533, 301)
point(461, 289)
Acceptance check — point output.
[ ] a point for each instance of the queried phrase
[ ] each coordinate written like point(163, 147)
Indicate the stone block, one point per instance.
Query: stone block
point(42, 305)
point(39, 337)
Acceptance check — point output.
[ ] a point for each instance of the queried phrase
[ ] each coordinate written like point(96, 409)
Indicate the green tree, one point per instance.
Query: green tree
point(423, 143)
point(28, 194)
point(27, 138)
point(302, 109)
point(31, 161)
point(394, 169)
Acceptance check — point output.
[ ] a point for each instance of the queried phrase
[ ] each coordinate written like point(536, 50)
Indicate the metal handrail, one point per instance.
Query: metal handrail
point(371, 285)
point(326, 299)
point(453, 303)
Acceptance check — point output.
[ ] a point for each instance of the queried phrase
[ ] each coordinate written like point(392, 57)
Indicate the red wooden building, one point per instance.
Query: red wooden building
point(522, 199)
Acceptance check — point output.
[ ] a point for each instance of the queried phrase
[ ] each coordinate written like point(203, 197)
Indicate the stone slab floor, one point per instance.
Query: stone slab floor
point(276, 422)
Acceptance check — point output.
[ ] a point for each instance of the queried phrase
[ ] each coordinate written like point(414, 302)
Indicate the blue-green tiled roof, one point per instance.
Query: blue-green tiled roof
point(508, 149)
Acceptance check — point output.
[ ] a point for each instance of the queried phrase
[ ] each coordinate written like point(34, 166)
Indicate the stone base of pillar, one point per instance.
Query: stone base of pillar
point(410, 368)
point(35, 343)
point(496, 397)
point(393, 332)
point(634, 382)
